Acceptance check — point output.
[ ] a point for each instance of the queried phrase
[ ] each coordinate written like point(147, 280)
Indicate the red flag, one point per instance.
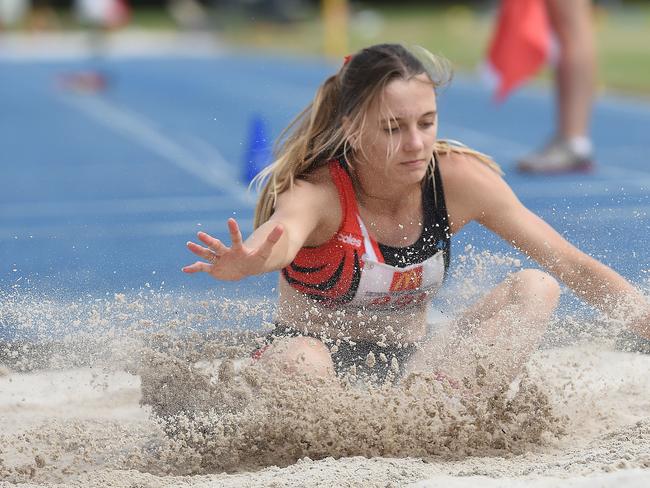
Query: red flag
point(118, 14)
point(105, 13)
point(520, 45)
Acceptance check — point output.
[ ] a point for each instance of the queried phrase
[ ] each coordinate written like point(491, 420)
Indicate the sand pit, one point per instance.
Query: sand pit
point(133, 392)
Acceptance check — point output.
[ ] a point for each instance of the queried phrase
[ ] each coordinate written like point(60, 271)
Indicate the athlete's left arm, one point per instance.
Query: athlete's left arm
point(498, 208)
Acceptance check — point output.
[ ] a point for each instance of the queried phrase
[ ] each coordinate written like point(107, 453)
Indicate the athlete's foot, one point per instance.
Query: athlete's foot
point(554, 158)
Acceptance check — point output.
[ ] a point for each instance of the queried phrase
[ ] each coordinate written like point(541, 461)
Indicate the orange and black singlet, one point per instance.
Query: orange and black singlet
point(352, 269)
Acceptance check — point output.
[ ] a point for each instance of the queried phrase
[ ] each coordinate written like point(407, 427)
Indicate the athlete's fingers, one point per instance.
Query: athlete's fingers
point(264, 251)
point(215, 244)
point(197, 267)
point(201, 251)
point(235, 233)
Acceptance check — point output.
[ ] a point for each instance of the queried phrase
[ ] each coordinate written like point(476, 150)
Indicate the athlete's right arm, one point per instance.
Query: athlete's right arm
point(299, 213)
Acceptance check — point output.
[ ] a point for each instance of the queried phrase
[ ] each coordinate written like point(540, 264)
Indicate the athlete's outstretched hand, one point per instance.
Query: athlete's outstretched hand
point(235, 262)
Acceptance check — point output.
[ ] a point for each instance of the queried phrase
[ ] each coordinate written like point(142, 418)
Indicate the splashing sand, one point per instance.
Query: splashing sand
point(144, 391)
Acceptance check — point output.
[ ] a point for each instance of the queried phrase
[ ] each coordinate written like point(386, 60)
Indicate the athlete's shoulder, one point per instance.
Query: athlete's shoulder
point(316, 184)
point(463, 167)
point(312, 198)
point(474, 186)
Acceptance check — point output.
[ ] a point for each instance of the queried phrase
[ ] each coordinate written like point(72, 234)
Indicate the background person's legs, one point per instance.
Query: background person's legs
point(575, 73)
point(576, 69)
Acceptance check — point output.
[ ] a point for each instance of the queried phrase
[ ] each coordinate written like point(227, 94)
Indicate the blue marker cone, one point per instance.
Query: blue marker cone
point(258, 152)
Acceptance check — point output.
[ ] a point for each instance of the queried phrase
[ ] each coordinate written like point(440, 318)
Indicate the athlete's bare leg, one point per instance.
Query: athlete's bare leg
point(576, 68)
point(570, 148)
point(497, 335)
point(299, 355)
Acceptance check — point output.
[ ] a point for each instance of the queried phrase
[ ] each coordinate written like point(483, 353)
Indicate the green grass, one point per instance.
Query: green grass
point(152, 18)
point(624, 50)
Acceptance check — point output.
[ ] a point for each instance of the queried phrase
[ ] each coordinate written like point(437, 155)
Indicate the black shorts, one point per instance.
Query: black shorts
point(346, 355)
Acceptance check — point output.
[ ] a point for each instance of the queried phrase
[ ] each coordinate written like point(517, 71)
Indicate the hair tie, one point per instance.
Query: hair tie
point(346, 59)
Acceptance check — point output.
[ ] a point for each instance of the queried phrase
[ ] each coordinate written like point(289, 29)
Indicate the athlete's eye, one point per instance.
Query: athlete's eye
point(390, 130)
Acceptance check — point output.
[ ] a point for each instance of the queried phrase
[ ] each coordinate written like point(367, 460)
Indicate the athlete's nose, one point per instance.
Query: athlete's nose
point(413, 142)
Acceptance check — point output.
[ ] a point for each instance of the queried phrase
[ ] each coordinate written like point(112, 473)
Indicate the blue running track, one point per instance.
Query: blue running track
point(99, 193)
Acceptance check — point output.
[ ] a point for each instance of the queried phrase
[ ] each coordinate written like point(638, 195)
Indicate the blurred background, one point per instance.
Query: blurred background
point(458, 29)
point(127, 126)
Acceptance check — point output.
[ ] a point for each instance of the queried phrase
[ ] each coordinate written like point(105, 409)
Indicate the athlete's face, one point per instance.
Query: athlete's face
point(400, 131)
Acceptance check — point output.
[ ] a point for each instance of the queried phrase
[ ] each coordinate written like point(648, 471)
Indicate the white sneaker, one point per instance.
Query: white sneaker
point(556, 157)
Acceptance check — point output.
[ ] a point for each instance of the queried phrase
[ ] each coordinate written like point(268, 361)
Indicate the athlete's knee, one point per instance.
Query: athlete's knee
point(302, 354)
point(536, 284)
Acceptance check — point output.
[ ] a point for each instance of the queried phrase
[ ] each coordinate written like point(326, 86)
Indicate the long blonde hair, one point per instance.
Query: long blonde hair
point(318, 134)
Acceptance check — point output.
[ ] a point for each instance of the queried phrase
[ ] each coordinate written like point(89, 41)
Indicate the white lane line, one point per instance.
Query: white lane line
point(130, 44)
point(121, 207)
point(84, 233)
point(142, 131)
point(204, 151)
